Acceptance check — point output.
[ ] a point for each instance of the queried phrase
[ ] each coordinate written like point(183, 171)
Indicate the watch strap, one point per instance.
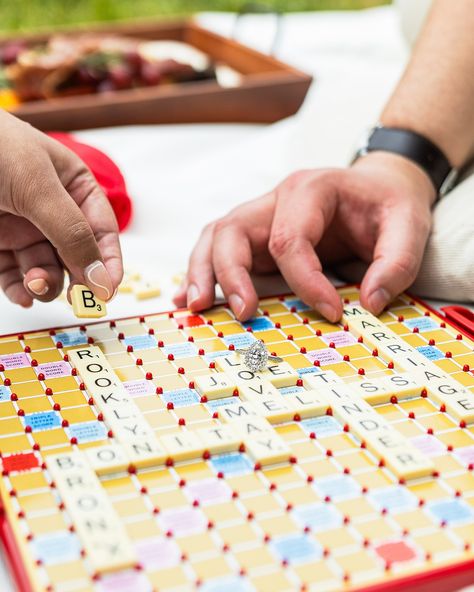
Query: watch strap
point(418, 149)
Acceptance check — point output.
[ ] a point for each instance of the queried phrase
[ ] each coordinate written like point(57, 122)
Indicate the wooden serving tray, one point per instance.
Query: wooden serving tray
point(270, 90)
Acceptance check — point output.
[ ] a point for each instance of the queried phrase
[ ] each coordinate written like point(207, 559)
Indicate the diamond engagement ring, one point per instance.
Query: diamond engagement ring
point(256, 356)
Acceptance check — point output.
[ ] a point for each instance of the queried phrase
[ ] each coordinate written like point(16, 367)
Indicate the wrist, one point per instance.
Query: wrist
point(395, 166)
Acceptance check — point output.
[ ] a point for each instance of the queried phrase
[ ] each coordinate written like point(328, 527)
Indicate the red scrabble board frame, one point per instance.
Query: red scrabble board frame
point(446, 578)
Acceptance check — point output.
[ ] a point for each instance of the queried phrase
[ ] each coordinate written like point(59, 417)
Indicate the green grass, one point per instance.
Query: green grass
point(36, 14)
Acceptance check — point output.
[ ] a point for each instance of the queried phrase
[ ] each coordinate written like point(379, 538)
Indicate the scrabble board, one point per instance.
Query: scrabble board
point(142, 455)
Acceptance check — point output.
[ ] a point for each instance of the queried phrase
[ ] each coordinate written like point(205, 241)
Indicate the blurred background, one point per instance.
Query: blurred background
point(21, 15)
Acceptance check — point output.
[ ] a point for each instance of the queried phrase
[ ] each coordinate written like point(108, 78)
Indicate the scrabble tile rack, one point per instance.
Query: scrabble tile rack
point(446, 575)
point(269, 91)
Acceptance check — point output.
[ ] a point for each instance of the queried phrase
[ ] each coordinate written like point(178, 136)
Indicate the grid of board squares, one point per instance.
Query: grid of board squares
point(333, 518)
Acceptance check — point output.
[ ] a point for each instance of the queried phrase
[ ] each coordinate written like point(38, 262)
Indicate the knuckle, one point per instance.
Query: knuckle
point(280, 243)
point(222, 224)
point(406, 266)
point(27, 191)
point(296, 178)
point(79, 233)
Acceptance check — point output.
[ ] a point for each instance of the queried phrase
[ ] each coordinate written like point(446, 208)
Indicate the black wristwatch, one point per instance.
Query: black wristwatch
point(416, 148)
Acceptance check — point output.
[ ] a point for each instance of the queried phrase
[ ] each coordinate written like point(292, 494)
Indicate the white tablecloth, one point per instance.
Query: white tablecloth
point(183, 176)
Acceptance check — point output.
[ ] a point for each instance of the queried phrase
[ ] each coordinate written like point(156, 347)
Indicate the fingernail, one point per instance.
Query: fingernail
point(99, 280)
point(327, 311)
point(192, 294)
point(236, 304)
point(39, 287)
point(378, 300)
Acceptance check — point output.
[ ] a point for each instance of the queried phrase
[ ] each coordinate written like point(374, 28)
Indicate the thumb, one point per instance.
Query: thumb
point(59, 218)
point(397, 258)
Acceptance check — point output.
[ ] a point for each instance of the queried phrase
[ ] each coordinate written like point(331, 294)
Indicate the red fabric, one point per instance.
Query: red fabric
point(106, 172)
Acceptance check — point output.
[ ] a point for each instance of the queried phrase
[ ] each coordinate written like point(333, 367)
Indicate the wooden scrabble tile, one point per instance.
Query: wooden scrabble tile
point(219, 439)
point(85, 304)
point(276, 409)
point(280, 375)
point(146, 290)
point(107, 459)
point(403, 386)
point(144, 452)
point(215, 386)
point(183, 445)
point(96, 522)
point(308, 403)
point(267, 449)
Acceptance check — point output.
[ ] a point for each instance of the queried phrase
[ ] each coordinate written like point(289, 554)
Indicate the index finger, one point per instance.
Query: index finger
point(397, 258)
point(298, 225)
point(85, 191)
point(98, 211)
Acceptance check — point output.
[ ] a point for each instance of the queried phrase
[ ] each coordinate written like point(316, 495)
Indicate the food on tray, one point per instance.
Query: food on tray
point(87, 64)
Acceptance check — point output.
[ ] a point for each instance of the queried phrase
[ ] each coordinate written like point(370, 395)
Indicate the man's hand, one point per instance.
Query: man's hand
point(53, 216)
point(378, 210)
